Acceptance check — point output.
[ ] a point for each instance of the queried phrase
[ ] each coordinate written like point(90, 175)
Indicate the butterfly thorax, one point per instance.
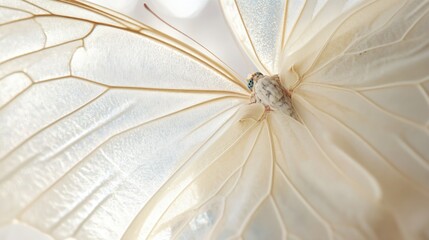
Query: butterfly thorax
point(269, 91)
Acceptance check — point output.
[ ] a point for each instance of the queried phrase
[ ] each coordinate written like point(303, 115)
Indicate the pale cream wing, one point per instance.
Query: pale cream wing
point(265, 179)
point(364, 97)
point(267, 29)
point(97, 111)
point(359, 76)
point(256, 25)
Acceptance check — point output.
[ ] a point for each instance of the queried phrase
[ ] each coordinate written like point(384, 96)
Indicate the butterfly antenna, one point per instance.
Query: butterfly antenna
point(184, 34)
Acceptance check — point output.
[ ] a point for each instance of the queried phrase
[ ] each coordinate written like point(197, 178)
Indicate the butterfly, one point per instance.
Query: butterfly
point(111, 129)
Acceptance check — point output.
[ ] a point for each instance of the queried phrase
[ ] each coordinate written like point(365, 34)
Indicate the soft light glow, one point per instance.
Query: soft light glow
point(184, 8)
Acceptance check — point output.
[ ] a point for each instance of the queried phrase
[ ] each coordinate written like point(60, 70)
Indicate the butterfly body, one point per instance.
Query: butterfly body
point(268, 91)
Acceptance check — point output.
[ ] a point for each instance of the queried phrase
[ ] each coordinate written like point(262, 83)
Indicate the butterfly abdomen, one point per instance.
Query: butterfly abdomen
point(268, 91)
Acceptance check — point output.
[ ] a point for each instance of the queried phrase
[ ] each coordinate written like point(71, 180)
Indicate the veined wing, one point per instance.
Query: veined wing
point(97, 111)
point(365, 98)
point(358, 74)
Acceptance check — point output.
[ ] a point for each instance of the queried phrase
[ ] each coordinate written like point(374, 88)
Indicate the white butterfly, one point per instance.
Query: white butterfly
point(111, 129)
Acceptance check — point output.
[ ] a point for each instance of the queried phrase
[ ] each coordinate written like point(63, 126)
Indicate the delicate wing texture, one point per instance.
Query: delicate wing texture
point(267, 28)
point(255, 183)
point(359, 76)
point(256, 25)
point(96, 113)
point(112, 130)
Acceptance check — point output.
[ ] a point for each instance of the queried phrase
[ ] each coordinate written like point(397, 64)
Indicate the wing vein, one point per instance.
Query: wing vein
point(413, 183)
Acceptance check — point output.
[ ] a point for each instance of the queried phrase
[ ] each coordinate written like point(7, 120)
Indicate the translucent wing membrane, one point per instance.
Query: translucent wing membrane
point(364, 96)
point(97, 112)
point(271, 30)
point(112, 130)
point(359, 76)
point(257, 25)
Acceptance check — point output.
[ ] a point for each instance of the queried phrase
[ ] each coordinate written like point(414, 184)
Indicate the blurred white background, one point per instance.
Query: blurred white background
point(201, 19)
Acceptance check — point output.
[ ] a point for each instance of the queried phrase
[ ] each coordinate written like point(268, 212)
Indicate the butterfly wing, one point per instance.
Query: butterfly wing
point(97, 112)
point(133, 165)
point(381, 111)
point(256, 25)
point(358, 71)
point(266, 28)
